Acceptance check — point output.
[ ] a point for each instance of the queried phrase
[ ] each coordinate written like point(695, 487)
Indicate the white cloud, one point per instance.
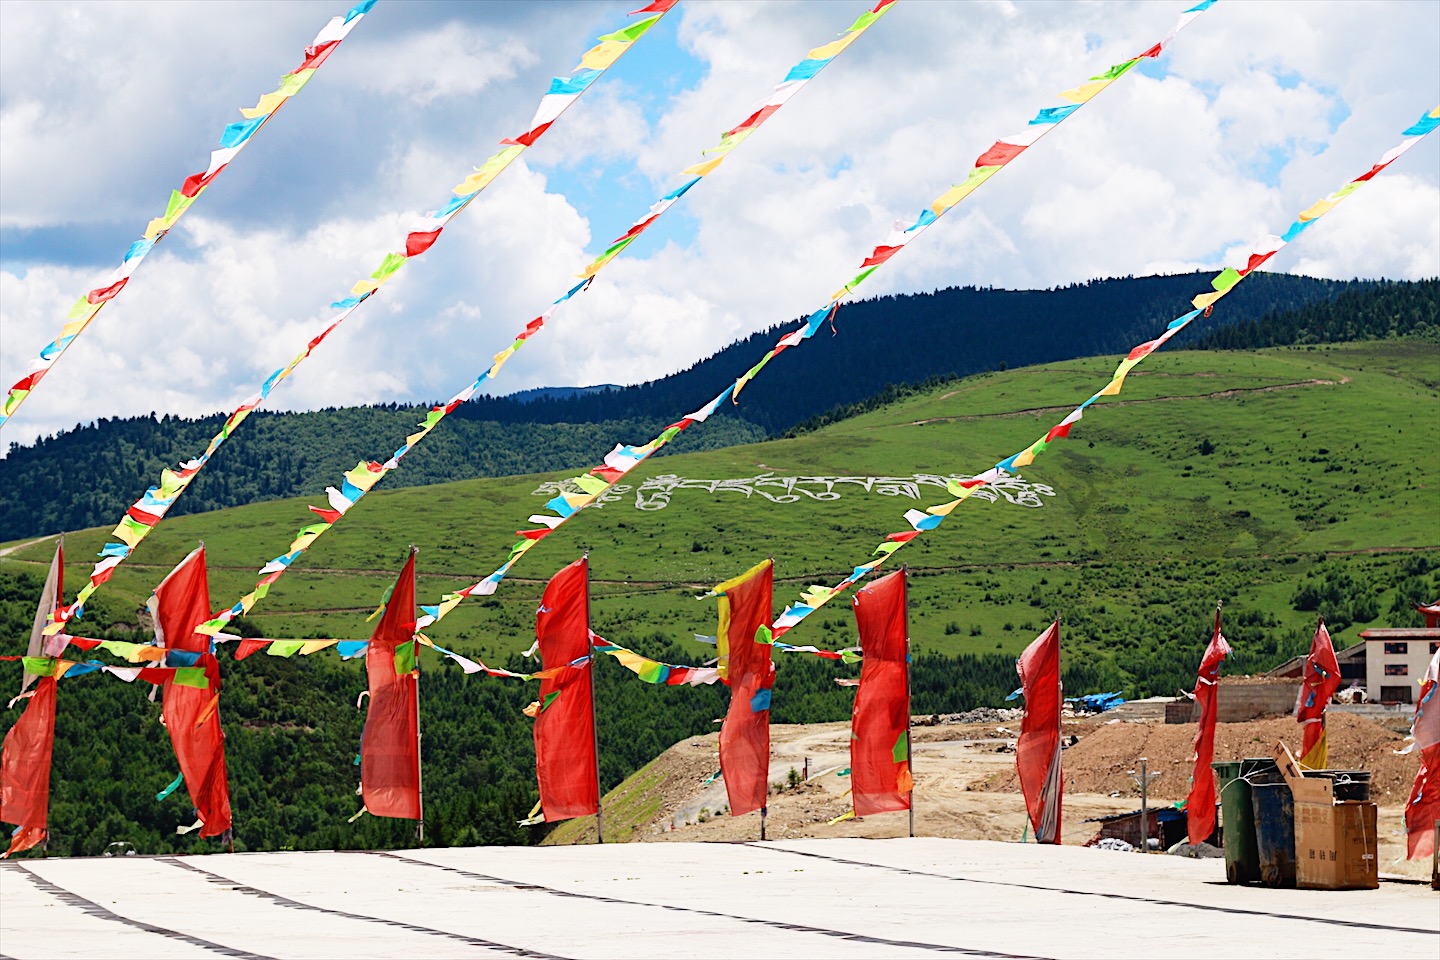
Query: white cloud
point(1157, 174)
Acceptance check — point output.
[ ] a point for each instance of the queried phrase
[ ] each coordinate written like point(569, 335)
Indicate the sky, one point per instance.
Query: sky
point(1257, 110)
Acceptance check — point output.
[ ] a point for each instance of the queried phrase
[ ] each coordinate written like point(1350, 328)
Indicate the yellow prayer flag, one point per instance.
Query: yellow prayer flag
point(1206, 299)
point(266, 105)
point(1085, 91)
point(833, 48)
point(603, 55)
point(1318, 209)
point(701, 169)
point(129, 535)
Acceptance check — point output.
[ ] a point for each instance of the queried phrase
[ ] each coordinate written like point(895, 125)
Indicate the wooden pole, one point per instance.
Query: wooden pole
point(419, 767)
point(765, 809)
point(909, 741)
point(594, 711)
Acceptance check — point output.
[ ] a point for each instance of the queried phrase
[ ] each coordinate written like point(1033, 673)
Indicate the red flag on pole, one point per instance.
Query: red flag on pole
point(565, 762)
point(192, 714)
point(1200, 805)
point(1422, 810)
point(390, 744)
point(746, 668)
point(25, 769)
point(880, 721)
point(1318, 684)
point(1037, 752)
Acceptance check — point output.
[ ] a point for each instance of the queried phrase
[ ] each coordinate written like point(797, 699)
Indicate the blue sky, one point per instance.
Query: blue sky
point(1257, 110)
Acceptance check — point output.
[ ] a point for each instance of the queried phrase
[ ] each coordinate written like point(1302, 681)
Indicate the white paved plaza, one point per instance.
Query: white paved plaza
point(799, 898)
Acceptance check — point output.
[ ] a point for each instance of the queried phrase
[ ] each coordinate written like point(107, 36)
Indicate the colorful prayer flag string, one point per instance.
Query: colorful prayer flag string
point(234, 138)
point(590, 486)
point(358, 481)
point(186, 676)
point(150, 509)
point(1222, 284)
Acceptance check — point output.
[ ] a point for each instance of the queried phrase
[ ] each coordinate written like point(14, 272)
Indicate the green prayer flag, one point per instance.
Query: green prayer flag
point(590, 484)
point(285, 648)
point(82, 309)
point(1227, 279)
point(901, 753)
point(391, 263)
point(860, 277)
point(39, 666)
point(404, 658)
point(864, 20)
point(174, 785)
point(192, 677)
point(178, 202)
point(1117, 71)
point(633, 32)
point(549, 699)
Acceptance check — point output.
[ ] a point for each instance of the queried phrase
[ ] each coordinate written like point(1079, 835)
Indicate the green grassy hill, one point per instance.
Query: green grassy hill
point(1257, 463)
point(1283, 481)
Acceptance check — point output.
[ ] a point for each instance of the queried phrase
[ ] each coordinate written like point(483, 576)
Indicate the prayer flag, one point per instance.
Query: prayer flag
point(25, 769)
point(1200, 805)
point(1318, 684)
point(179, 604)
point(1037, 752)
point(1423, 807)
point(746, 668)
point(390, 743)
point(565, 762)
point(880, 719)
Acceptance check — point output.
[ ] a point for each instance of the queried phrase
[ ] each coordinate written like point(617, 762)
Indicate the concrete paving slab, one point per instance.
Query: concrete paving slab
point(838, 898)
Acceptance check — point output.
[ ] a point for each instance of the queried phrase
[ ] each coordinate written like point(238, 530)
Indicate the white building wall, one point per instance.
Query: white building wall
point(1394, 669)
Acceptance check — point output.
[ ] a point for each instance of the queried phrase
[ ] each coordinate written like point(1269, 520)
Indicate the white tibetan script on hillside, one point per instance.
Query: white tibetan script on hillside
point(655, 493)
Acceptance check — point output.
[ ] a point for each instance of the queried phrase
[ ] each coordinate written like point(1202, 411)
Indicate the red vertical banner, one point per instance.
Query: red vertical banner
point(191, 713)
point(1200, 804)
point(746, 668)
point(1422, 810)
point(25, 768)
point(1318, 684)
point(880, 720)
point(1037, 752)
point(565, 762)
point(390, 745)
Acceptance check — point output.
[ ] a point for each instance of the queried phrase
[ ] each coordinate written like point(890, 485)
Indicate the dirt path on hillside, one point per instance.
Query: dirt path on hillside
point(965, 782)
point(1218, 395)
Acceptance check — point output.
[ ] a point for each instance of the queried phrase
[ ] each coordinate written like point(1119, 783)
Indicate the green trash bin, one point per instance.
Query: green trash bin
point(1237, 820)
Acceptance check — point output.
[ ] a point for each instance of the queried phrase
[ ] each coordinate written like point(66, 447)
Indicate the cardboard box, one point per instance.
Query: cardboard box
point(1336, 846)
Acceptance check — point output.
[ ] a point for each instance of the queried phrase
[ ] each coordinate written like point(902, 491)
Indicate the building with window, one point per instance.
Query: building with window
point(1396, 657)
point(1388, 662)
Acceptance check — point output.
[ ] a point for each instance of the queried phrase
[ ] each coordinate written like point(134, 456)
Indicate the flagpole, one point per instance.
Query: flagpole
point(765, 806)
point(1323, 711)
point(594, 711)
point(419, 766)
point(909, 742)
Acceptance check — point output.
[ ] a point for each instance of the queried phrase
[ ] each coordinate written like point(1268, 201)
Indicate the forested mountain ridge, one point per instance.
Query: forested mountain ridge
point(109, 463)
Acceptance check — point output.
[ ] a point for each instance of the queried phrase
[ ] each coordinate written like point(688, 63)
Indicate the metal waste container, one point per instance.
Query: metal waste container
point(1274, 809)
point(1242, 863)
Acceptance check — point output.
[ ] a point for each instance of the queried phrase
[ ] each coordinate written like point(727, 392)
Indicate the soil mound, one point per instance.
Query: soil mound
point(1106, 751)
